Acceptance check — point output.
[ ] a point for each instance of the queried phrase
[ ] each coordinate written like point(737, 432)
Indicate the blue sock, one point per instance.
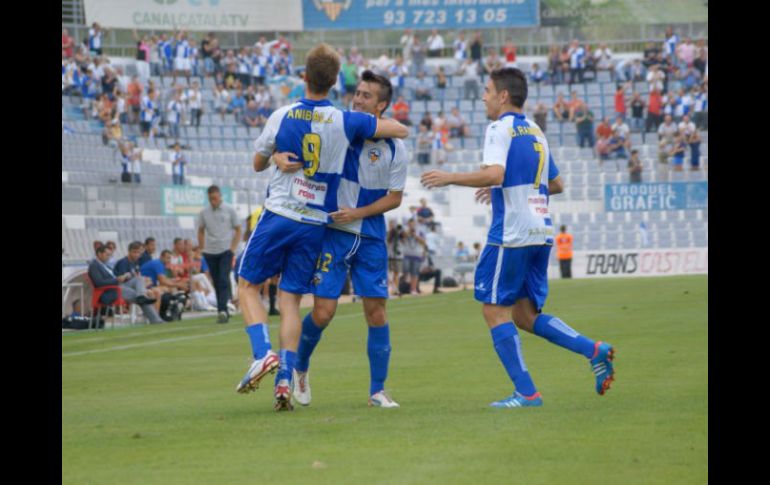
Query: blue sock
point(378, 349)
point(288, 362)
point(260, 339)
point(559, 333)
point(506, 340)
point(311, 335)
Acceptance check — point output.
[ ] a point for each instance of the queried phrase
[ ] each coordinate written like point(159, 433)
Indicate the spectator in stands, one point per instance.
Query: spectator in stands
point(441, 83)
point(424, 213)
point(584, 125)
point(350, 78)
point(540, 114)
point(427, 121)
point(178, 164)
point(67, 44)
point(130, 264)
point(407, 41)
point(219, 232)
point(88, 86)
point(654, 111)
point(477, 46)
point(112, 246)
point(458, 127)
point(237, 104)
point(471, 79)
point(637, 72)
point(149, 116)
point(461, 253)
point(132, 287)
point(394, 241)
point(691, 136)
point(401, 112)
point(701, 59)
point(125, 161)
point(398, 73)
point(666, 134)
point(604, 129)
point(537, 75)
point(509, 53)
point(678, 150)
point(573, 104)
point(424, 143)
point(554, 65)
point(635, 168)
point(194, 99)
point(135, 90)
point(174, 115)
point(603, 148)
point(651, 53)
point(178, 258)
point(603, 59)
point(656, 78)
point(492, 62)
point(560, 109)
point(617, 146)
point(670, 43)
point(422, 87)
point(413, 249)
point(95, 34)
point(438, 147)
point(576, 62)
point(621, 129)
point(637, 114)
point(251, 116)
point(564, 252)
point(435, 44)
point(418, 55)
point(149, 250)
point(700, 107)
point(476, 251)
point(589, 63)
point(620, 101)
point(460, 49)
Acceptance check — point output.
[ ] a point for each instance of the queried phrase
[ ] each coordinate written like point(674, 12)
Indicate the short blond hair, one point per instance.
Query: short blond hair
point(321, 68)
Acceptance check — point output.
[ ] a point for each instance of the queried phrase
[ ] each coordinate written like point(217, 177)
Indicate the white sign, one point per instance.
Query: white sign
point(200, 15)
point(639, 262)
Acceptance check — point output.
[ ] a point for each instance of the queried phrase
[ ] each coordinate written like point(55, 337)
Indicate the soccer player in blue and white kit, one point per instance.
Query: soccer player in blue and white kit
point(372, 184)
point(511, 275)
point(301, 194)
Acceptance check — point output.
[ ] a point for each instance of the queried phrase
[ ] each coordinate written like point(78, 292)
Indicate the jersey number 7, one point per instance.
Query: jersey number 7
point(541, 153)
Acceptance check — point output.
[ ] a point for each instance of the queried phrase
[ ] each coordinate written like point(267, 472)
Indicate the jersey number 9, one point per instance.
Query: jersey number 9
point(311, 153)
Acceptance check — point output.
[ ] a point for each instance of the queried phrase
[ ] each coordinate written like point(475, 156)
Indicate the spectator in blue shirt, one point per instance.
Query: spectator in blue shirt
point(237, 104)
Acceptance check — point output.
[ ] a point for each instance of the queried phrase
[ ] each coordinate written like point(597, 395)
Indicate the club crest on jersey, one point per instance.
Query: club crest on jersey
point(331, 8)
point(317, 278)
point(374, 154)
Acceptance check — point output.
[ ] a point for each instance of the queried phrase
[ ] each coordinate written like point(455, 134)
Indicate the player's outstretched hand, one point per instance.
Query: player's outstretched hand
point(284, 164)
point(345, 215)
point(435, 178)
point(484, 195)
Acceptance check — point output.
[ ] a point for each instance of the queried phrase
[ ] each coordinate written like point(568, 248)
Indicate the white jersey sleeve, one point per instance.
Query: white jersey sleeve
point(398, 167)
point(497, 141)
point(265, 144)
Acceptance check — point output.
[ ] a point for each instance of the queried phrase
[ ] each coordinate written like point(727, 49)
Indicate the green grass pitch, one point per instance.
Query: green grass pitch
point(157, 404)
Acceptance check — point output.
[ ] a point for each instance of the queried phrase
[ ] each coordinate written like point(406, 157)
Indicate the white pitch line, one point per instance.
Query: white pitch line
point(211, 334)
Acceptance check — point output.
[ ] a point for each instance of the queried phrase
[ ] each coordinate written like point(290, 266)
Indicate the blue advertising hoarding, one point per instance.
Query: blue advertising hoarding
point(656, 196)
point(419, 14)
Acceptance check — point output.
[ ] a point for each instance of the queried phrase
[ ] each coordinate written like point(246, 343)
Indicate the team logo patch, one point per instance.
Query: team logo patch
point(374, 154)
point(331, 8)
point(317, 278)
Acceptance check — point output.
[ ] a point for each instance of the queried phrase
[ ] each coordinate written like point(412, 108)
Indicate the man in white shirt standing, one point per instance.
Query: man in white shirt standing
point(435, 44)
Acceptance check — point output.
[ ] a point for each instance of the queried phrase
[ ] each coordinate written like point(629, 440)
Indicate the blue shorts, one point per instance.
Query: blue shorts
point(503, 275)
point(365, 257)
point(281, 245)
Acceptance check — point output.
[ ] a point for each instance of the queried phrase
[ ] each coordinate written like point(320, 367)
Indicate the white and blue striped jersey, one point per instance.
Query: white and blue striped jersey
point(576, 58)
point(520, 214)
point(320, 135)
point(669, 46)
point(94, 39)
point(182, 50)
point(173, 111)
point(148, 109)
point(372, 168)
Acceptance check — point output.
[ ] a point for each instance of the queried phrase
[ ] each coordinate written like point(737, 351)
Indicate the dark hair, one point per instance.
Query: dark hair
point(634, 152)
point(321, 68)
point(101, 249)
point(386, 88)
point(149, 240)
point(134, 245)
point(164, 252)
point(213, 188)
point(563, 228)
point(512, 80)
point(176, 240)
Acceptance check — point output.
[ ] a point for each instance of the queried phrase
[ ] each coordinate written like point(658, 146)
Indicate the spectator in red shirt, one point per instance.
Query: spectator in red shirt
point(134, 99)
point(401, 111)
point(654, 111)
point(620, 101)
point(66, 43)
point(573, 104)
point(604, 130)
point(509, 52)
